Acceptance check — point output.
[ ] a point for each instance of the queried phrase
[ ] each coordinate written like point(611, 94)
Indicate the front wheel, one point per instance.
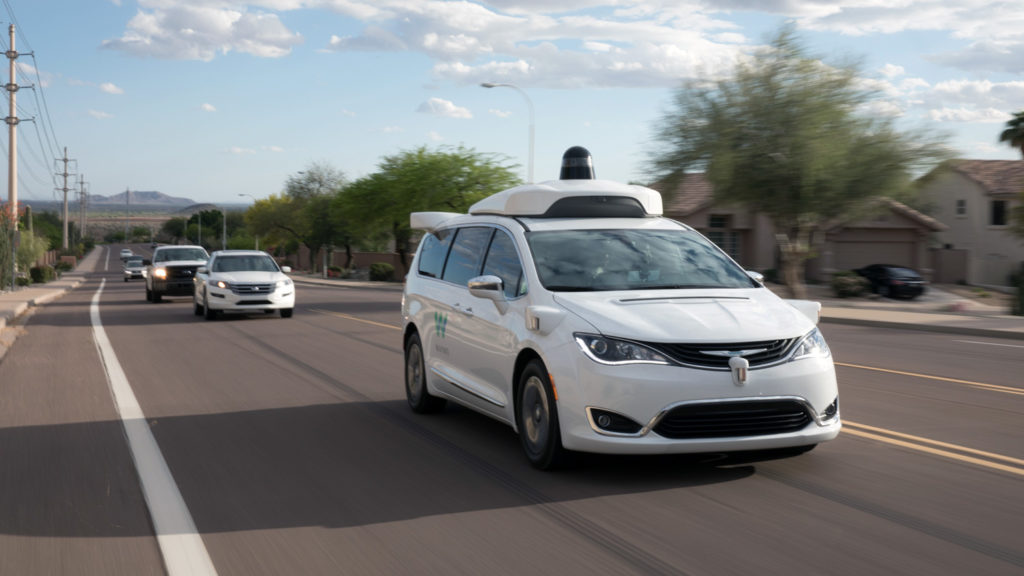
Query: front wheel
point(208, 313)
point(196, 308)
point(420, 400)
point(287, 312)
point(537, 418)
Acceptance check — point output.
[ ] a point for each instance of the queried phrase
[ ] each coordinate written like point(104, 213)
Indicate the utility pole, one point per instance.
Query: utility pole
point(81, 207)
point(12, 155)
point(128, 210)
point(65, 189)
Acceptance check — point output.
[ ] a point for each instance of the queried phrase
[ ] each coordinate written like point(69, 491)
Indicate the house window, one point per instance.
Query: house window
point(720, 233)
point(961, 207)
point(998, 213)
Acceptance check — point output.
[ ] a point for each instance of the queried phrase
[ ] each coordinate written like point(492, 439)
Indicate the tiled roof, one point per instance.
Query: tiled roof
point(996, 177)
point(691, 193)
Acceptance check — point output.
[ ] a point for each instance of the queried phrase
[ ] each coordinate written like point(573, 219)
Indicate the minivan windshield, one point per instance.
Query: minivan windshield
point(631, 259)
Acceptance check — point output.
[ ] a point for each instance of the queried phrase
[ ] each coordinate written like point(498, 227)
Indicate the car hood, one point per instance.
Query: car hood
point(745, 315)
point(167, 263)
point(250, 277)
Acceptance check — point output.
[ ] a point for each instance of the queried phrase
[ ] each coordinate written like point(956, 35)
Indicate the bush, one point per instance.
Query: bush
point(848, 284)
point(382, 272)
point(42, 274)
point(1018, 301)
point(63, 266)
point(22, 281)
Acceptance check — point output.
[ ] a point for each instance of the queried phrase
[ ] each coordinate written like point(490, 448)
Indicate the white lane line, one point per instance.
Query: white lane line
point(180, 543)
point(989, 343)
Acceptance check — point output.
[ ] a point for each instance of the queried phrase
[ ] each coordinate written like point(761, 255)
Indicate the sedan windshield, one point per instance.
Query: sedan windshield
point(593, 260)
point(244, 264)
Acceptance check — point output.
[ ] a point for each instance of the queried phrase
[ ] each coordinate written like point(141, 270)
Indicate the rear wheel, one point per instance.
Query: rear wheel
point(420, 400)
point(537, 418)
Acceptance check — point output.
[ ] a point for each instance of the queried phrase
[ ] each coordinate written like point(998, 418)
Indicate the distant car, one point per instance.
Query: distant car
point(893, 281)
point(242, 281)
point(126, 253)
point(172, 271)
point(134, 267)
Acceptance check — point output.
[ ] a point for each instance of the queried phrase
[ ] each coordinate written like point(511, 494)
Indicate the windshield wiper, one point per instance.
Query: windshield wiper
point(557, 288)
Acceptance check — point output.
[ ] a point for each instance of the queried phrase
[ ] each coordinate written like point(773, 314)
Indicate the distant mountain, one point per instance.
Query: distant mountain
point(139, 198)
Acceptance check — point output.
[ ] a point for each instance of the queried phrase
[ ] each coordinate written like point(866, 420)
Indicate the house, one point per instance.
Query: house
point(975, 199)
point(890, 233)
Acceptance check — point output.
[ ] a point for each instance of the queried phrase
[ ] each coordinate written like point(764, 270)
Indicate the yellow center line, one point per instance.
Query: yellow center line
point(982, 385)
point(937, 452)
point(347, 317)
point(865, 429)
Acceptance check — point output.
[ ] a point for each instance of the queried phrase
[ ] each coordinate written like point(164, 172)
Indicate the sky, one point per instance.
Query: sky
point(222, 100)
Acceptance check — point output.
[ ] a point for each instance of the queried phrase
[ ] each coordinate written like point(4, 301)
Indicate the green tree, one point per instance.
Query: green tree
point(1014, 133)
point(787, 136)
point(31, 248)
point(6, 252)
point(418, 180)
point(173, 229)
point(301, 213)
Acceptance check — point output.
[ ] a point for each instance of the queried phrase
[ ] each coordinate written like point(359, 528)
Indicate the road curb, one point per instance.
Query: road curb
point(939, 328)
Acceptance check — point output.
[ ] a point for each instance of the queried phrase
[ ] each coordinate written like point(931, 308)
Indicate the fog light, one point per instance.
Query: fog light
point(832, 409)
point(606, 421)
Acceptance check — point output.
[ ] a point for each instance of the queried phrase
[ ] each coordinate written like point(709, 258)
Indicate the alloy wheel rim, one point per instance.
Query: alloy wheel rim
point(535, 414)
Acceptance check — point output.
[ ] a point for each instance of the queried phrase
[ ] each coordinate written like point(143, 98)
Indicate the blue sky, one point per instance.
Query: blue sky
point(209, 99)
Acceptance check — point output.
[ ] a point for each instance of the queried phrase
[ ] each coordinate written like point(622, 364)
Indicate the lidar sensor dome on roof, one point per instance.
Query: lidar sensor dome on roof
point(577, 164)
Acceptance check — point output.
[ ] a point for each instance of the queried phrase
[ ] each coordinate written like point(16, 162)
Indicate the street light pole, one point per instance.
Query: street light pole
point(529, 104)
point(254, 200)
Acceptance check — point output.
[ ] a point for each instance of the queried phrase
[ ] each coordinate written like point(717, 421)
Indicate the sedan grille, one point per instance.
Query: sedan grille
point(716, 356)
point(731, 419)
point(252, 289)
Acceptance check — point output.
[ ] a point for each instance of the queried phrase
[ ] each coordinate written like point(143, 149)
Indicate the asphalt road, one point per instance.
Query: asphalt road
point(290, 450)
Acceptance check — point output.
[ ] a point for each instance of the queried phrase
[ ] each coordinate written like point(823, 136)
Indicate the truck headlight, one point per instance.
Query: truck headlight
point(160, 273)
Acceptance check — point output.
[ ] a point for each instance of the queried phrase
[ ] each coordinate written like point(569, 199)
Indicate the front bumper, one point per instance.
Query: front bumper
point(804, 392)
point(226, 300)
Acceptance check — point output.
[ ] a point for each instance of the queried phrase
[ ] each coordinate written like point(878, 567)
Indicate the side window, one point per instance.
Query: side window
point(434, 252)
point(466, 254)
point(503, 261)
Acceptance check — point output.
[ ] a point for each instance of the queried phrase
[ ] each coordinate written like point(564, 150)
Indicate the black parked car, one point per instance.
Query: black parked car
point(893, 281)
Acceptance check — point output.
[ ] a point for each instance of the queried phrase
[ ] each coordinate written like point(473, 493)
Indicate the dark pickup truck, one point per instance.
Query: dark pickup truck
point(172, 271)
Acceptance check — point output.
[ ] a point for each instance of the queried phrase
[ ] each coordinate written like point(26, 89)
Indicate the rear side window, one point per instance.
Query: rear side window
point(434, 252)
point(503, 262)
point(467, 254)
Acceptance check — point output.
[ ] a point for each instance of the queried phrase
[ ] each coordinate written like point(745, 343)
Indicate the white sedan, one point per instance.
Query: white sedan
point(242, 281)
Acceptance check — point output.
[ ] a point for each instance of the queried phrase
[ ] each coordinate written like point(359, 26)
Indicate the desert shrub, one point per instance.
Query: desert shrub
point(42, 274)
point(848, 284)
point(382, 272)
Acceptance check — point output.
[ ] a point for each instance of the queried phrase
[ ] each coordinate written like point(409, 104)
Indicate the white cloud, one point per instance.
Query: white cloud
point(272, 149)
point(434, 136)
point(183, 30)
point(100, 115)
point(110, 88)
point(444, 108)
point(391, 129)
point(892, 71)
point(500, 113)
point(989, 115)
point(207, 107)
point(240, 151)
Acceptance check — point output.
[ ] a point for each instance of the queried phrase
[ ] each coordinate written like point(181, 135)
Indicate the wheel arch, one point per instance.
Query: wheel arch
point(525, 356)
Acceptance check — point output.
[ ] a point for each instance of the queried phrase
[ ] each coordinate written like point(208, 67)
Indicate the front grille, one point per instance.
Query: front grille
point(731, 419)
point(181, 272)
point(704, 355)
point(252, 289)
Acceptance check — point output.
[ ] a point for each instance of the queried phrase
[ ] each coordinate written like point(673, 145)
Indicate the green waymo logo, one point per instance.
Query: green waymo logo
point(440, 323)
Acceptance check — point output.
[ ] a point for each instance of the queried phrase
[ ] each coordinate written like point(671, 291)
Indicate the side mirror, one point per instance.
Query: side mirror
point(286, 269)
point(491, 288)
point(756, 276)
point(202, 270)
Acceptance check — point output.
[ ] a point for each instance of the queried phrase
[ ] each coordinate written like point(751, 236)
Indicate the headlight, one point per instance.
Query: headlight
point(222, 284)
point(284, 283)
point(160, 273)
point(616, 352)
point(812, 346)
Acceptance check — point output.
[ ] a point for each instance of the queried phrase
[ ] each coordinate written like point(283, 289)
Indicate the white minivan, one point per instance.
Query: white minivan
point(574, 312)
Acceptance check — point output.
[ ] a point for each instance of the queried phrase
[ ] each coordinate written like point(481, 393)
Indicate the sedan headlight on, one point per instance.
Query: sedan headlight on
point(222, 284)
point(616, 352)
point(160, 273)
point(812, 346)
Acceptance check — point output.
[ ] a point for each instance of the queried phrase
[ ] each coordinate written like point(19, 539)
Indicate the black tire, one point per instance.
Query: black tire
point(196, 308)
point(286, 312)
point(149, 294)
point(420, 400)
point(157, 297)
point(537, 418)
point(208, 313)
point(883, 291)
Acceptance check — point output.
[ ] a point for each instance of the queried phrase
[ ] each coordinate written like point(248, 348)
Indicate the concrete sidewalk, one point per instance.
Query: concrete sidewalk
point(937, 311)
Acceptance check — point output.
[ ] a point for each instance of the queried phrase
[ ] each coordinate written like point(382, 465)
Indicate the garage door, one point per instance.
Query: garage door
point(850, 255)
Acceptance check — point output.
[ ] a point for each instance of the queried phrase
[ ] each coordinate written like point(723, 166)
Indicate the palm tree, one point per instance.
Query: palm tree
point(1014, 133)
